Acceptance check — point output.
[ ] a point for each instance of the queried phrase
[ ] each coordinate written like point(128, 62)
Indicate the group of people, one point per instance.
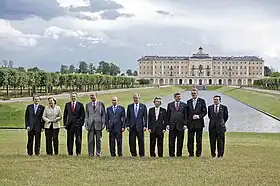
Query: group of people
point(178, 117)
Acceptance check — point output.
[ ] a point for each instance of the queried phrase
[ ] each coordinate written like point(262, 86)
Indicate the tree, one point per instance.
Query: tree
point(64, 69)
point(129, 72)
point(10, 64)
point(114, 69)
point(5, 63)
point(83, 67)
point(72, 69)
point(92, 68)
point(267, 71)
point(275, 74)
point(135, 73)
point(34, 69)
point(21, 69)
point(103, 68)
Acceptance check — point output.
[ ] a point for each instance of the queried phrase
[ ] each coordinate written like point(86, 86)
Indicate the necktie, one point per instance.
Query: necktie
point(177, 105)
point(136, 110)
point(194, 103)
point(216, 110)
point(35, 109)
point(114, 109)
point(93, 105)
point(73, 107)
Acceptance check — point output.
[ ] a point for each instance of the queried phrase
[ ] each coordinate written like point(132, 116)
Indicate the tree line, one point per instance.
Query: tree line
point(272, 83)
point(102, 68)
point(12, 80)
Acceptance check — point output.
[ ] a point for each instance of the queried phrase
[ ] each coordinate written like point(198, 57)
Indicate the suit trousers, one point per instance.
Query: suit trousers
point(197, 132)
point(31, 134)
point(51, 139)
point(133, 133)
point(74, 133)
point(113, 138)
point(173, 134)
point(94, 137)
point(219, 139)
point(156, 137)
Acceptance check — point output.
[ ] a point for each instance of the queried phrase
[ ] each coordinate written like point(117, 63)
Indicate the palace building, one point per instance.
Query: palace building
point(200, 69)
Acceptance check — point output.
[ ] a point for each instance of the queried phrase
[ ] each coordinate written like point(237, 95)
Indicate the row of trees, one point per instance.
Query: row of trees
point(39, 81)
point(102, 68)
point(268, 83)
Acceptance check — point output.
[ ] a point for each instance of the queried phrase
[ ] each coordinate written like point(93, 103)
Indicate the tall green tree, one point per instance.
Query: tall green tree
point(72, 69)
point(64, 69)
point(83, 67)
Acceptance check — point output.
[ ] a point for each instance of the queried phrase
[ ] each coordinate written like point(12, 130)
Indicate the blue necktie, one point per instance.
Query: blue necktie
point(35, 109)
point(136, 111)
point(114, 109)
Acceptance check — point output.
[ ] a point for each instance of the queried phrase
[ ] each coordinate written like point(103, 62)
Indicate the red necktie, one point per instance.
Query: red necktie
point(177, 105)
point(216, 110)
point(73, 107)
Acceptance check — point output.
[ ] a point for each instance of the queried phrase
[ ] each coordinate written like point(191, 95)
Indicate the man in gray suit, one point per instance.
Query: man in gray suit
point(94, 123)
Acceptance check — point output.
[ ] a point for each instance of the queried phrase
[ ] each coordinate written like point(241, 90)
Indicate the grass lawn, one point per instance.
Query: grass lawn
point(267, 102)
point(250, 159)
point(12, 114)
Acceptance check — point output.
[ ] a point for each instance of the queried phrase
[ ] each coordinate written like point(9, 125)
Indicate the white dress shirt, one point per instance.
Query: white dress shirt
point(157, 112)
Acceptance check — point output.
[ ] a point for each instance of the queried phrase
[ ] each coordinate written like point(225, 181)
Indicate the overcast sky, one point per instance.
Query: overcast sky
point(48, 33)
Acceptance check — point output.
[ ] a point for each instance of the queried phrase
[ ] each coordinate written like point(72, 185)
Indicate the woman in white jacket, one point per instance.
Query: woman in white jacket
point(52, 116)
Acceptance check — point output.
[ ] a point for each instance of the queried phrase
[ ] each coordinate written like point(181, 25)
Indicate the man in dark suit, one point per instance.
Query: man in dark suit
point(34, 124)
point(136, 125)
point(176, 120)
point(196, 110)
point(218, 116)
point(115, 125)
point(157, 119)
point(74, 117)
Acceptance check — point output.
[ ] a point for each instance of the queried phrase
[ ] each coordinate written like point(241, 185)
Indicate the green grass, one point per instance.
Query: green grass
point(267, 102)
point(12, 114)
point(250, 159)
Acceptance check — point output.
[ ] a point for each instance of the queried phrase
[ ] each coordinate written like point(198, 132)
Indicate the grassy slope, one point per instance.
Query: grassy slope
point(250, 159)
point(12, 114)
point(267, 102)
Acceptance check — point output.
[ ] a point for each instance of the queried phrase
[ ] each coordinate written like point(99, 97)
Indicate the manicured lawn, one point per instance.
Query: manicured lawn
point(267, 102)
point(250, 159)
point(12, 114)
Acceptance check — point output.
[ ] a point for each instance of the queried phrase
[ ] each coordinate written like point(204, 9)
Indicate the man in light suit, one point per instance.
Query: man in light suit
point(218, 116)
point(136, 125)
point(196, 110)
point(73, 119)
point(34, 125)
point(94, 124)
point(115, 125)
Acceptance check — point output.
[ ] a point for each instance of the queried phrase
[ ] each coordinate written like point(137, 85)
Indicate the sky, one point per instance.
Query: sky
point(48, 33)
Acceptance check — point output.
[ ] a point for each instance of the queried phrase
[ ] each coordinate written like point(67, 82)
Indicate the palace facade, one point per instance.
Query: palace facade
point(200, 69)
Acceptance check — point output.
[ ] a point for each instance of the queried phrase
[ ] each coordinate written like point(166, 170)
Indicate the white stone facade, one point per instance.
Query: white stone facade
point(200, 69)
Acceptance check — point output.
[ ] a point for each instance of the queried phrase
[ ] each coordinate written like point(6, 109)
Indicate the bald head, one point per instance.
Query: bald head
point(115, 100)
point(93, 96)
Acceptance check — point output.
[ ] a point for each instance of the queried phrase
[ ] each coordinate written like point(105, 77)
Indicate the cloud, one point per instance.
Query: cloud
point(124, 30)
point(162, 12)
point(22, 9)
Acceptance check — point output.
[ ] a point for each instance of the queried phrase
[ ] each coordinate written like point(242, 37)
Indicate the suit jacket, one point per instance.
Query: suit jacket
point(176, 119)
point(218, 121)
point(95, 118)
point(157, 125)
point(50, 114)
point(200, 109)
point(73, 119)
point(139, 122)
point(34, 120)
point(115, 121)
